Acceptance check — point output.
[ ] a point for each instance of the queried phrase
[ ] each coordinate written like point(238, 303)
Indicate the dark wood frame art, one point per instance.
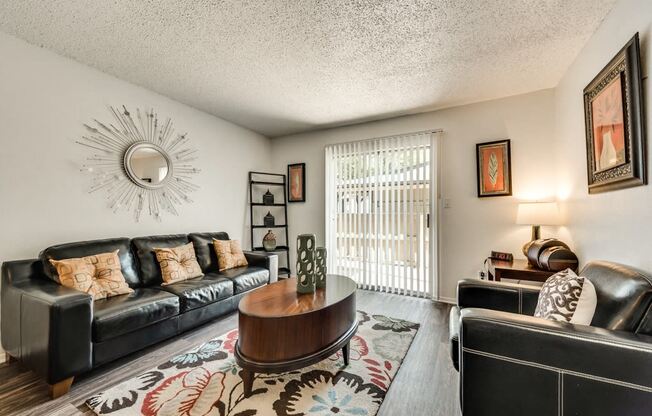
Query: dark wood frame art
point(627, 64)
point(303, 182)
point(508, 176)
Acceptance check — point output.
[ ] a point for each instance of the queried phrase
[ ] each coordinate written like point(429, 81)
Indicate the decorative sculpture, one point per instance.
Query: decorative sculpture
point(268, 198)
point(269, 220)
point(142, 165)
point(306, 263)
point(320, 268)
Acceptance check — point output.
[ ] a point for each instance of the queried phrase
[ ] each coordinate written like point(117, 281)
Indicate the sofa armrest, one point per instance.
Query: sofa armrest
point(14, 273)
point(52, 325)
point(548, 365)
point(499, 296)
point(267, 260)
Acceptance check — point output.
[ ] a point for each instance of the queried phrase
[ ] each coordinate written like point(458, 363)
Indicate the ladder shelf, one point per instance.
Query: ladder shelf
point(256, 182)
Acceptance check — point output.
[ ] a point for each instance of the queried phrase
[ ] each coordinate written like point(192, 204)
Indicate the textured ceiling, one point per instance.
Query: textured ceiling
point(279, 67)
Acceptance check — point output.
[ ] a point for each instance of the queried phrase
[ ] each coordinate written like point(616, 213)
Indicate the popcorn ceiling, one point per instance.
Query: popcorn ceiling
point(281, 67)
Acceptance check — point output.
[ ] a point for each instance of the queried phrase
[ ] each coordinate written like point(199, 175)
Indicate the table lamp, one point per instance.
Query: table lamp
point(537, 214)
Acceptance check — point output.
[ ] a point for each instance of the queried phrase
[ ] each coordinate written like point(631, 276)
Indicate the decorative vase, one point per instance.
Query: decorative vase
point(269, 220)
point(320, 268)
point(306, 263)
point(268, 198)
point(269, 241)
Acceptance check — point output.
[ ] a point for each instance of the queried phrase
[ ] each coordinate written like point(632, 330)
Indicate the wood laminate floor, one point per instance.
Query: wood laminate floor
point(426, 383)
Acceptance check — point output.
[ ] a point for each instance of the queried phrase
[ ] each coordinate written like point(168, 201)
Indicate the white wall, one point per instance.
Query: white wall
point(47, 98)
point(615, 225)
point(44, 200)
point(472, 226)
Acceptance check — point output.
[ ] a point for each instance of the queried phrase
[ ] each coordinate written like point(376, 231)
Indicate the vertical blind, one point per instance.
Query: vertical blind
point(380, 213)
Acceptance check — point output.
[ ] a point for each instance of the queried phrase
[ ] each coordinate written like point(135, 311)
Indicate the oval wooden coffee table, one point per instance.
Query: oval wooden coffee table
point(281, 330)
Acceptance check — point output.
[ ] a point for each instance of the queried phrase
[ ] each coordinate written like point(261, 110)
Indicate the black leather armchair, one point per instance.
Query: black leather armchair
point(511, 363)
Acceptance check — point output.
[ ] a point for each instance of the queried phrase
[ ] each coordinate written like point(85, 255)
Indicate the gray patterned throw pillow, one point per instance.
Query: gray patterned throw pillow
point(567, 297)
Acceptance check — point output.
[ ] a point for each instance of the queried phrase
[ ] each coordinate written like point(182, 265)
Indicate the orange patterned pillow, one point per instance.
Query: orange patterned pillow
point(229, 254)
point(100, 275)
point(178, 263)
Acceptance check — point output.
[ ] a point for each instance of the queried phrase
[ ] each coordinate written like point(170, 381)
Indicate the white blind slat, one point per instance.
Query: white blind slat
point(410, 217)
point(424, 226)
point(397, 218)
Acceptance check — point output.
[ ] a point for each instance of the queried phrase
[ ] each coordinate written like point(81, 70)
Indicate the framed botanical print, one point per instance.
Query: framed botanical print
point(615, 123)
point(494, 168)
point(297, 182)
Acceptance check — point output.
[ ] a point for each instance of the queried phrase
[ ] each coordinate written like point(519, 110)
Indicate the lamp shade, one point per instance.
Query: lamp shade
point(538, 213)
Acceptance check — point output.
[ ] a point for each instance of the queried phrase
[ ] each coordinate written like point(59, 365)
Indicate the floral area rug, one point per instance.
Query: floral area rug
point(205, 380)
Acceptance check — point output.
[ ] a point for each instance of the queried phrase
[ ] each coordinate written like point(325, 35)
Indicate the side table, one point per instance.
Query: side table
point(517, 270)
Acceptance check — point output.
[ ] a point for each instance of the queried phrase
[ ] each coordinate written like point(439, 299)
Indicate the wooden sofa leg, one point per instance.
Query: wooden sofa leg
point(9, 358)
point(60, 388)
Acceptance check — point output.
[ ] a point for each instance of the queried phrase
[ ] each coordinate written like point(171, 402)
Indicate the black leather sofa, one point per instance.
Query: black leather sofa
point(513, 364)
point(60, 332)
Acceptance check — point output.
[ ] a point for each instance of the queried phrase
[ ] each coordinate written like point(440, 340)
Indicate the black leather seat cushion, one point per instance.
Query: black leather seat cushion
point(454, 336)
point(202, 291)
point(150, 270)
point(121, 314)
point(89, 248)
point(206, 256)
point(246, 278)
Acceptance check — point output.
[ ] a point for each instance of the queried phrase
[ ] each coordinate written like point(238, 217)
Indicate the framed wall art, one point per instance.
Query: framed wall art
point(494, 166)
point(297, 182)
point(615, 123)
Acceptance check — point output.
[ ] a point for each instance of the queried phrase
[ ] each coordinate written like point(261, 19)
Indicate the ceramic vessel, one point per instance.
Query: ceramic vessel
point(320, 267)
point(306, 263)
point(269, 241)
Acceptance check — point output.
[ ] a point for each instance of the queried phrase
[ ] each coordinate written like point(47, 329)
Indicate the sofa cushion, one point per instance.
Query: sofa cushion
point(202, 291)
point(178, 263)
point(119, 315)
point(150, 271)
point(567, 297)
point(246, 278)
point(229, 254)
point(454, 336)
point(206, 255)
point(99, 275)
point(90, 248)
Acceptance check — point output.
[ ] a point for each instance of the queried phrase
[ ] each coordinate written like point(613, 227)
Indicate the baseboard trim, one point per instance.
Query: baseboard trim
point(445, 299)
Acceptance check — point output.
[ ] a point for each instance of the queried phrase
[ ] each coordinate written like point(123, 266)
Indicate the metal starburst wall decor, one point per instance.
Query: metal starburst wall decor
point(142, 164)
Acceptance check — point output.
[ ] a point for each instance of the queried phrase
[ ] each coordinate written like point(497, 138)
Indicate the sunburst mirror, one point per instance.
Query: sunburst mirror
point(143, 166)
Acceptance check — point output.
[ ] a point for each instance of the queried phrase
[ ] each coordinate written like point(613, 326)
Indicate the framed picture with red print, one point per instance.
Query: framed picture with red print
point(494, 168)
point(297, 182)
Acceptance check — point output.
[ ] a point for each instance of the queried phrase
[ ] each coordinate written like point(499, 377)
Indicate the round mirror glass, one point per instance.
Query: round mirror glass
point(147, 165)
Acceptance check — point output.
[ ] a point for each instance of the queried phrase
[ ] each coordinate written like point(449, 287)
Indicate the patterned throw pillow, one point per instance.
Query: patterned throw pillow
point(178, 263)
point(229, 254)
point(100, 275)
point(567, 297)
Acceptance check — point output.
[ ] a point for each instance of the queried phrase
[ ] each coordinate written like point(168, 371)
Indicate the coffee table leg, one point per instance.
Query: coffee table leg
point(345, 353)
point(247, 381)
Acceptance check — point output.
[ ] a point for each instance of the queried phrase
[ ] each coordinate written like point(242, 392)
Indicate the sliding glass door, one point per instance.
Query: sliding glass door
point(380, 213)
